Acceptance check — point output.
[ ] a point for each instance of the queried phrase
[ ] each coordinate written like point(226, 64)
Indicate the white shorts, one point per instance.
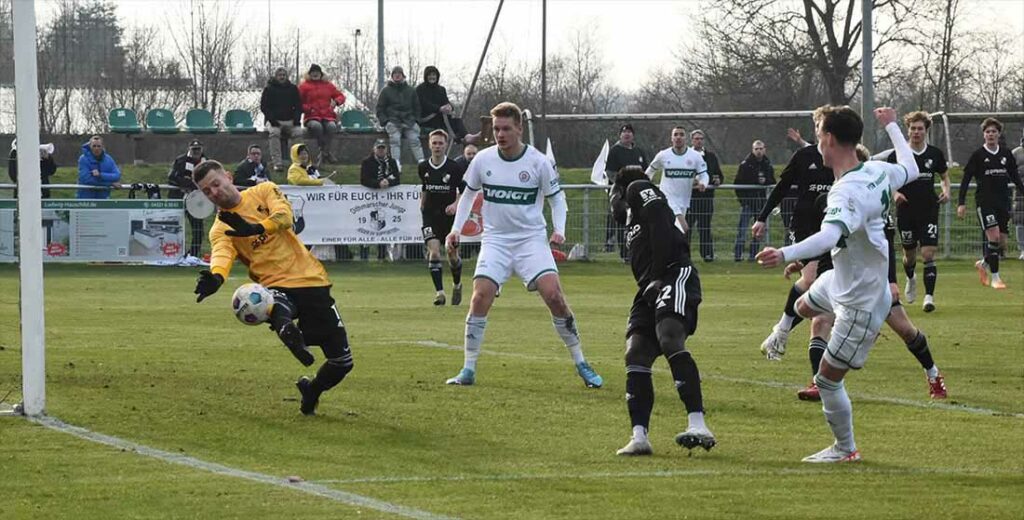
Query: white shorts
point(855, 330)
point(528, 258)
point(677, 207)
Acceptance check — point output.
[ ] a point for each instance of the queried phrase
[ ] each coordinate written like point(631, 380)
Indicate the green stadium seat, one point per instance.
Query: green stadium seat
point(239, 122)
point(200, 121)
point(356, 122)
point(123, 121)
point(161, 121)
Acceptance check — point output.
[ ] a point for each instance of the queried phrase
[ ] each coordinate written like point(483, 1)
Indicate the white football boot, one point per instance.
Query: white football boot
point(832, 455)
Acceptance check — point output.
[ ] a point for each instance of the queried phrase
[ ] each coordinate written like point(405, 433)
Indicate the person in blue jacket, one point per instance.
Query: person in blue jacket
point(96, 168)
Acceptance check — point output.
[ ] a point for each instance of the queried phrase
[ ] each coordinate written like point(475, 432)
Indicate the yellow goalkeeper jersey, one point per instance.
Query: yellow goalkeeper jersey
point(277, 258)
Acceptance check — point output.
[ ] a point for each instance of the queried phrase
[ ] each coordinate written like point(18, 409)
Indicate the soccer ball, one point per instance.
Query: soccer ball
point(251, 304)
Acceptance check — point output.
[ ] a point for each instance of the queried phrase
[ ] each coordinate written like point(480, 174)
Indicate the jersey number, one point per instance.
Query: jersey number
point(666, 294)
point(886, 201)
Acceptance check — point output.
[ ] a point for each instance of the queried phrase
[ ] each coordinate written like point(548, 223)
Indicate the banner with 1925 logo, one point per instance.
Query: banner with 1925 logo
point(347, 214)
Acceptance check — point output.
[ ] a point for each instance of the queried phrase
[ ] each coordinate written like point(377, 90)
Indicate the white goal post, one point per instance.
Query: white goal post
point(30, 259)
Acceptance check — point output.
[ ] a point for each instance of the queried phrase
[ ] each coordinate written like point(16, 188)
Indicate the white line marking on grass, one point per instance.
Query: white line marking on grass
point(933, 405)
point(671, 474)
point(310, 488)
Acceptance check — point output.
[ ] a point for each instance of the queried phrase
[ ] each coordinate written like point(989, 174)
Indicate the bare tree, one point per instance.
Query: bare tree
point(993, 75)
point(205, 44)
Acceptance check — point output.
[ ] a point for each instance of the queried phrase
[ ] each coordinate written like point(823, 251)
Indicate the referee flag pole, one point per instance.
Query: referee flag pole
point(30, 251)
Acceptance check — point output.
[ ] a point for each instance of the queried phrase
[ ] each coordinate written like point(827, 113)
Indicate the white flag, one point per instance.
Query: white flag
point(597, 175)
point(550, 154)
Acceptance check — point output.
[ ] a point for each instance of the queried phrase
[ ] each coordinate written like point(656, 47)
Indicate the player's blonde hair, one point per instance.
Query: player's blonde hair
point(439, 132)
point(863, 153)
point(508, 109)
point(918, 116)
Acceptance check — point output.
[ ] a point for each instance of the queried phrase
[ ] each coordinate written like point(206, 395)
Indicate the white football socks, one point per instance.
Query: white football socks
point(932, 372)
point(639, 433)
point(696, 420)
point(838, 411)
point(566, 329)
point(475, 326)
point(785, 322)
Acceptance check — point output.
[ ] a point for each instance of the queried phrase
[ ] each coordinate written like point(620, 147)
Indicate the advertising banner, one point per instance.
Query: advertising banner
point(117, 230)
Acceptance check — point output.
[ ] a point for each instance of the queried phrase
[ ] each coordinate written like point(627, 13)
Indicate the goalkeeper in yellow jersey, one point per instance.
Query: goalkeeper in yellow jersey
point(255, 226)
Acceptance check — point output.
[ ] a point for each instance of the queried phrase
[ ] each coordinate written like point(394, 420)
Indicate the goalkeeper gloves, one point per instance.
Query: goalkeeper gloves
point(207, 284)
point(239, 227)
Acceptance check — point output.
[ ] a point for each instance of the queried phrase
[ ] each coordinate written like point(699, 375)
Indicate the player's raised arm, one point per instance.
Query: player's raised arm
point(904, 155)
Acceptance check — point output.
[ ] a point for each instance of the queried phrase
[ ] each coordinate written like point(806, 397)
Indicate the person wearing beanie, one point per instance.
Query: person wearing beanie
point(435, 107)
point(181, 176)
point(398, 110)
point(319, 99)
point(282, 110)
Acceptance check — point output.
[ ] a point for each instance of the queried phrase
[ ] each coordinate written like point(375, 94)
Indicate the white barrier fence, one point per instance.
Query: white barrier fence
point(131, 230)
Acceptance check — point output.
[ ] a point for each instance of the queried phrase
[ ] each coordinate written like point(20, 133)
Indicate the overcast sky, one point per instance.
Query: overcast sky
point(635, 36)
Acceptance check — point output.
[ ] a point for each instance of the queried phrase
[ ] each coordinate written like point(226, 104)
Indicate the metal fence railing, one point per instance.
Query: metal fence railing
point(592, 235)
point(588, 225)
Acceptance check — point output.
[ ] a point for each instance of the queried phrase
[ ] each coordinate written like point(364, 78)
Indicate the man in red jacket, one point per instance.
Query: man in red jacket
point(319, 98)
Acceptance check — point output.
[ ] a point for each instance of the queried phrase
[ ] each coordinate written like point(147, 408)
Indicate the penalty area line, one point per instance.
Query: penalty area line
point(310, 488)
point(934, 405)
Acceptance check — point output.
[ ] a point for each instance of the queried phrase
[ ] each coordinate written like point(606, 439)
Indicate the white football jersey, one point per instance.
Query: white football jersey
point(677, 175)
point(859, 203)
point(514, 191)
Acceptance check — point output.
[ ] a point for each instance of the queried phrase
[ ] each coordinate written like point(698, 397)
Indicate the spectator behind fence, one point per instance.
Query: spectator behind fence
point(1018, 200)
point(378, 171)
point(181, 176)
point(252, 170)
point(702, 203)
point(468, 153)
point(319, 97)
point(398, 109)
point(47, 167)
point(96, 168)
point(303, 172)
point(755, 170)
point(435, 106)
point(282, 109)
point(623, 153)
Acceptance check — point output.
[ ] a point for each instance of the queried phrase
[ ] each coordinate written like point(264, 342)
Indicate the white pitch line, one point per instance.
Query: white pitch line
point(771, 384)
point(310, 488)
point(669, 474)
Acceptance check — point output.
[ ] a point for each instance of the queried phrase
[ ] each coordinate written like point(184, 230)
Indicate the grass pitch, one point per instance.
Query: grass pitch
point(131, 355)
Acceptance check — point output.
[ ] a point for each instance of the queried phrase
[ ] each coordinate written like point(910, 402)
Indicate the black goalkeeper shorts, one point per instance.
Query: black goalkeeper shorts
point(319, 319)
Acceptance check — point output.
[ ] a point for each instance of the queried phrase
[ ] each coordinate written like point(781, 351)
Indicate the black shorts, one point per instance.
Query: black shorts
point(679, 298)
point(990, 217)
point(800, 233)
point(319, 319)
point(890, 237)
point(918, 225)
point(436, 225)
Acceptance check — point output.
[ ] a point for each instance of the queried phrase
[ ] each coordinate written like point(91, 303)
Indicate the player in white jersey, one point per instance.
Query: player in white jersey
point(515, 179)
point(856, 291)
point(680, 167)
